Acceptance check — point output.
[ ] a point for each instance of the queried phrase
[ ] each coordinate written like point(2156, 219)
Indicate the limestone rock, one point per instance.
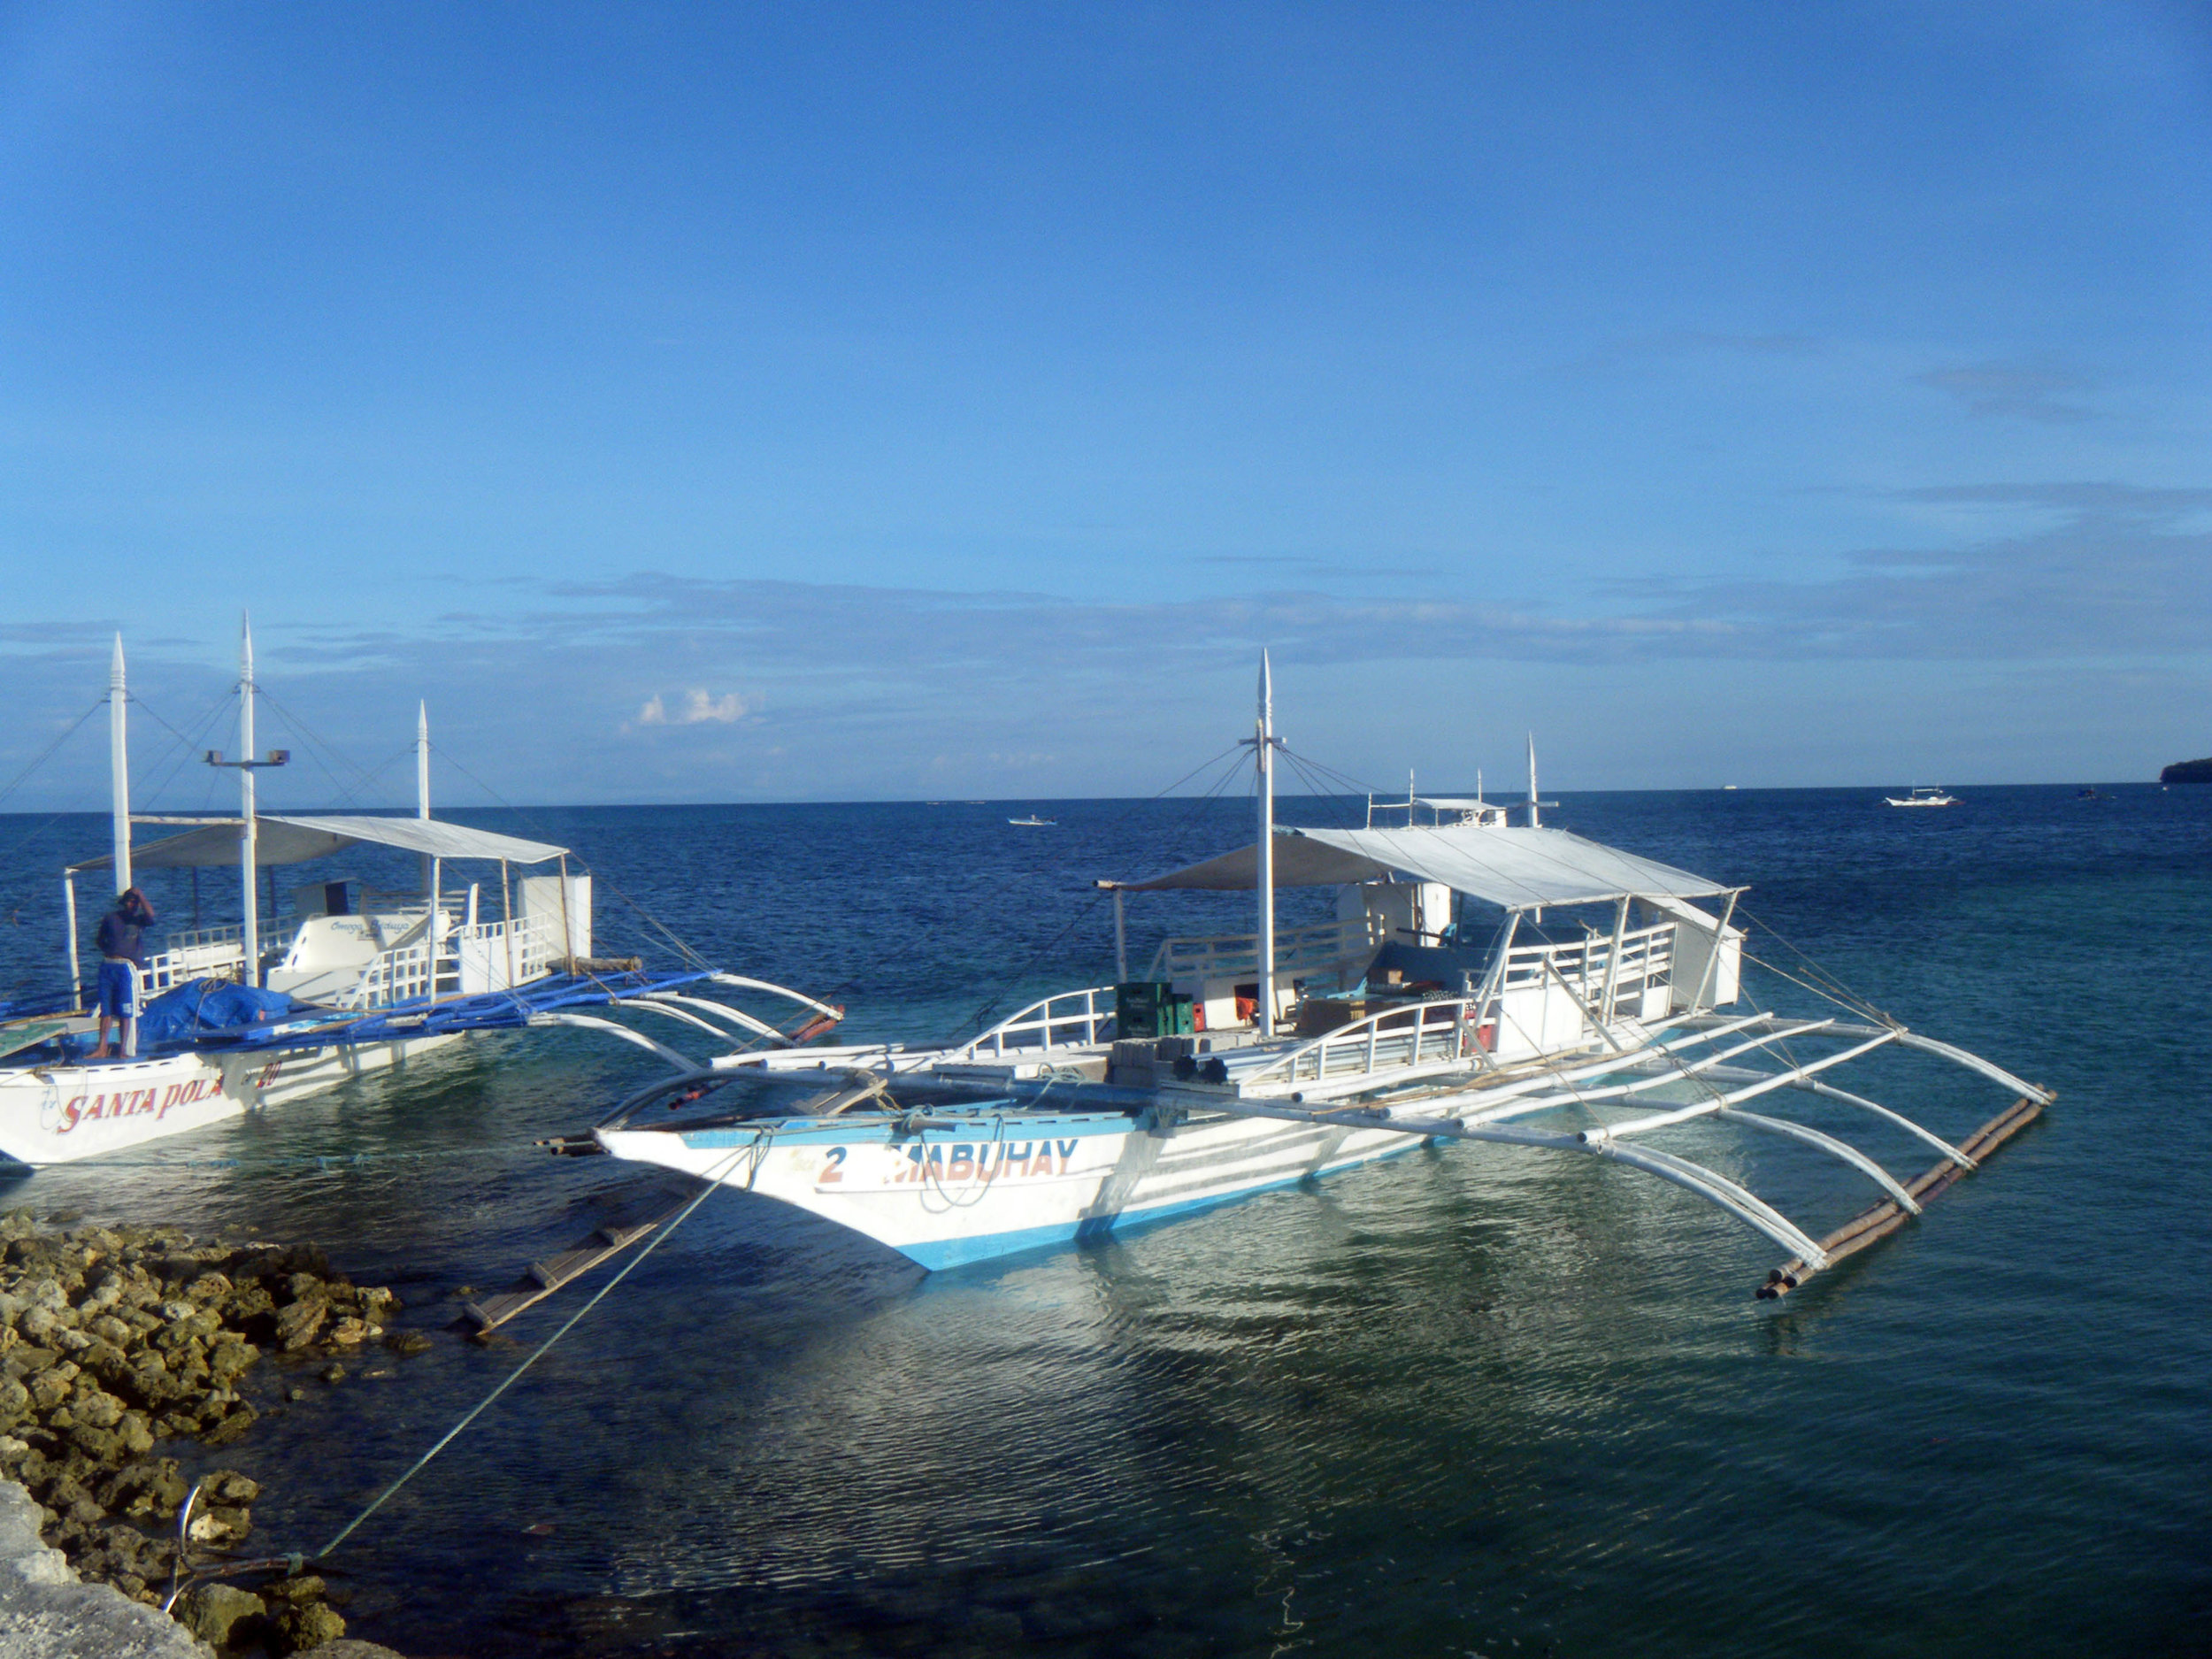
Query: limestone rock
point(210, 1610)
point(297, 1323)
point(228, 1486)
point(309, 1625)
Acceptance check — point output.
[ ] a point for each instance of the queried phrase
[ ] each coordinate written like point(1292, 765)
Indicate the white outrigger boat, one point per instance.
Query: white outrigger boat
point(1589, 1008)
point(1928, 794)
point(245, 1016)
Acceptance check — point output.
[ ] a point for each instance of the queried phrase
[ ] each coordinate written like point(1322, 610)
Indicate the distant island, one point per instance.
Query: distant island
point(2188, 772)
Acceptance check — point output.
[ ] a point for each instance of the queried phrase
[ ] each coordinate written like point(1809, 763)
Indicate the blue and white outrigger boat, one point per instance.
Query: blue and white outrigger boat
point(249, 1016)
point(1482, 981)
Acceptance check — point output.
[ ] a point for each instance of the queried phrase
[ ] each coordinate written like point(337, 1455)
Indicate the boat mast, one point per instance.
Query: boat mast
point(1264, 747)
point(119, 769)
point(1531, 780)
point(422, 776)
point(249, 965)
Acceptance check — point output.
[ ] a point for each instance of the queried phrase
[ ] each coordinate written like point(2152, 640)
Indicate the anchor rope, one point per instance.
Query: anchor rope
point(714, 1183)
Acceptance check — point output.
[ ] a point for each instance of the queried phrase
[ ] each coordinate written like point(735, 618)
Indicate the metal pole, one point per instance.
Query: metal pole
point(1712, 959)
point(422, 778)
point(1121, 940)
point(250, 961)
point(507, 917)
point(1494, 981)
point(1613, 964)
point(1531, 783)
point(1264, 746)
point(69, 908)
point(568, 936)
point(119, 769)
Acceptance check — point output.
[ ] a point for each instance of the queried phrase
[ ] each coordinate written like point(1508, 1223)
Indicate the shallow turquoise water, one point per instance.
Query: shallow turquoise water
point(1471, 1401)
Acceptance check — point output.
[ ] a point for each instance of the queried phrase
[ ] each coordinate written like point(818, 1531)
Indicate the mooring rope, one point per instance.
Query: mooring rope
point(713, 1183)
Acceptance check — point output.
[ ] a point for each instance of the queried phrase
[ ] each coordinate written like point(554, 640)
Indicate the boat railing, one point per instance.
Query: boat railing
point(1224, 955)
point(406, 973)
point(1070, 1018)
point(1442, 1032)
point(465, 960)
point(1647, 954)
point(200, 952)
point(533, 936)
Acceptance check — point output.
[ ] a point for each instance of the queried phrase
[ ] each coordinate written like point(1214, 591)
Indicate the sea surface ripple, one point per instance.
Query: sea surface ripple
point(1471, 1401)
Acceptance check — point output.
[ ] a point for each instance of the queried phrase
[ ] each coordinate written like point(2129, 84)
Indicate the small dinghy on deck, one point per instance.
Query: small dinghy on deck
point(1514, 985)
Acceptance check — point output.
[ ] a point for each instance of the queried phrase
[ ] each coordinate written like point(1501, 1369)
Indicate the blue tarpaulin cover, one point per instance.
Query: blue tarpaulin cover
point(207, 1005)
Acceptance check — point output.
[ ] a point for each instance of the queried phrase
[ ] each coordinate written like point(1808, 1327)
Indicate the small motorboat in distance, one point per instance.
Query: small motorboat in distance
point(1923, 798)
point(1033, 822)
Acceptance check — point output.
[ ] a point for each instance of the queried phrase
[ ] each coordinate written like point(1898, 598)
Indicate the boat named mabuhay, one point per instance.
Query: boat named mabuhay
point(1508, 984)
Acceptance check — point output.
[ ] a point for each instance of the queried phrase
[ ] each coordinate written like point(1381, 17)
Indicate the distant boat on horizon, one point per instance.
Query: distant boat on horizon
point(1929, 796)
point(1032, 822)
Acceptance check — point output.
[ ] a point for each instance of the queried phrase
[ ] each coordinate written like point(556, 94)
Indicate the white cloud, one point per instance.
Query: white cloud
point(700, 708)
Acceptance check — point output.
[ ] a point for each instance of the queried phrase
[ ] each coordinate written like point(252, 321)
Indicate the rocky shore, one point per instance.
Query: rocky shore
point(119, 1342)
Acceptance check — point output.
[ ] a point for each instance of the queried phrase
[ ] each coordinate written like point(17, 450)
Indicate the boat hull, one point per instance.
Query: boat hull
point(63, 1114)
point(947, 1198)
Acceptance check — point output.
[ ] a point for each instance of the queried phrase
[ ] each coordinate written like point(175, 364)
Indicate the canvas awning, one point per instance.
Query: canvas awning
point(1516, 868)
point(294, 840)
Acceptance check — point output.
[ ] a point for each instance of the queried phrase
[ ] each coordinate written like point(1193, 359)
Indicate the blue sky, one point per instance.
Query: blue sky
point(699, 402)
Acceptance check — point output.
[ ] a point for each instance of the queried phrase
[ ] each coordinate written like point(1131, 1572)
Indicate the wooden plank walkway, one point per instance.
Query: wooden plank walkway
point(543, 1277)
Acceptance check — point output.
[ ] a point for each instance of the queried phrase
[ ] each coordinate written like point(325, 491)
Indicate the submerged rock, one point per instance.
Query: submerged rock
point(114, 1338)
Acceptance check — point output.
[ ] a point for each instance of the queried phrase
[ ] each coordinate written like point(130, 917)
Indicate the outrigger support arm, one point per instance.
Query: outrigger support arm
point(1912, 1040)
point(653, 1005)
point(1829, 1144)
point(616, 1028)
point(1828, 1091)
point(736, 1016)
point(1711, 1185)
point(738, 981)
point(1975, 1062)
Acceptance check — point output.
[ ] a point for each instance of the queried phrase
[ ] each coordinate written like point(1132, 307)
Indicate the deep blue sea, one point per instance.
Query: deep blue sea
point(1469, 1402)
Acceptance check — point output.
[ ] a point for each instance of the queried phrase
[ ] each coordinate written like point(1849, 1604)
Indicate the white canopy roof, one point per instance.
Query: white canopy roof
point(294, 840)
point(1514, 868)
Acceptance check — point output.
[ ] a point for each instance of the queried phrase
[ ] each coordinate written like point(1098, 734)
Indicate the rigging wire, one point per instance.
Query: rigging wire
point(1838, 992)
point(17, 842)
point(318, 747)
point(1353, 786)
point(1197, 804)
point(47, 754)
point(531, 821)
point(1314, 783)
point(190, 742)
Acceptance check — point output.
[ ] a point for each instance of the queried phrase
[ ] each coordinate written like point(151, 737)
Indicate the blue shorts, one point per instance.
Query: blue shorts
point(119, 991)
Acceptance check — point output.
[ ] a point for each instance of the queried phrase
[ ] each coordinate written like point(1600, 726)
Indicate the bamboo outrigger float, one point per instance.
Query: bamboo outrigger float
point(1511, 985)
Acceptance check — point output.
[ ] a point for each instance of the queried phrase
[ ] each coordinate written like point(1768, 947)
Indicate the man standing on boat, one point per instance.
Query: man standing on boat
point(122, 954)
